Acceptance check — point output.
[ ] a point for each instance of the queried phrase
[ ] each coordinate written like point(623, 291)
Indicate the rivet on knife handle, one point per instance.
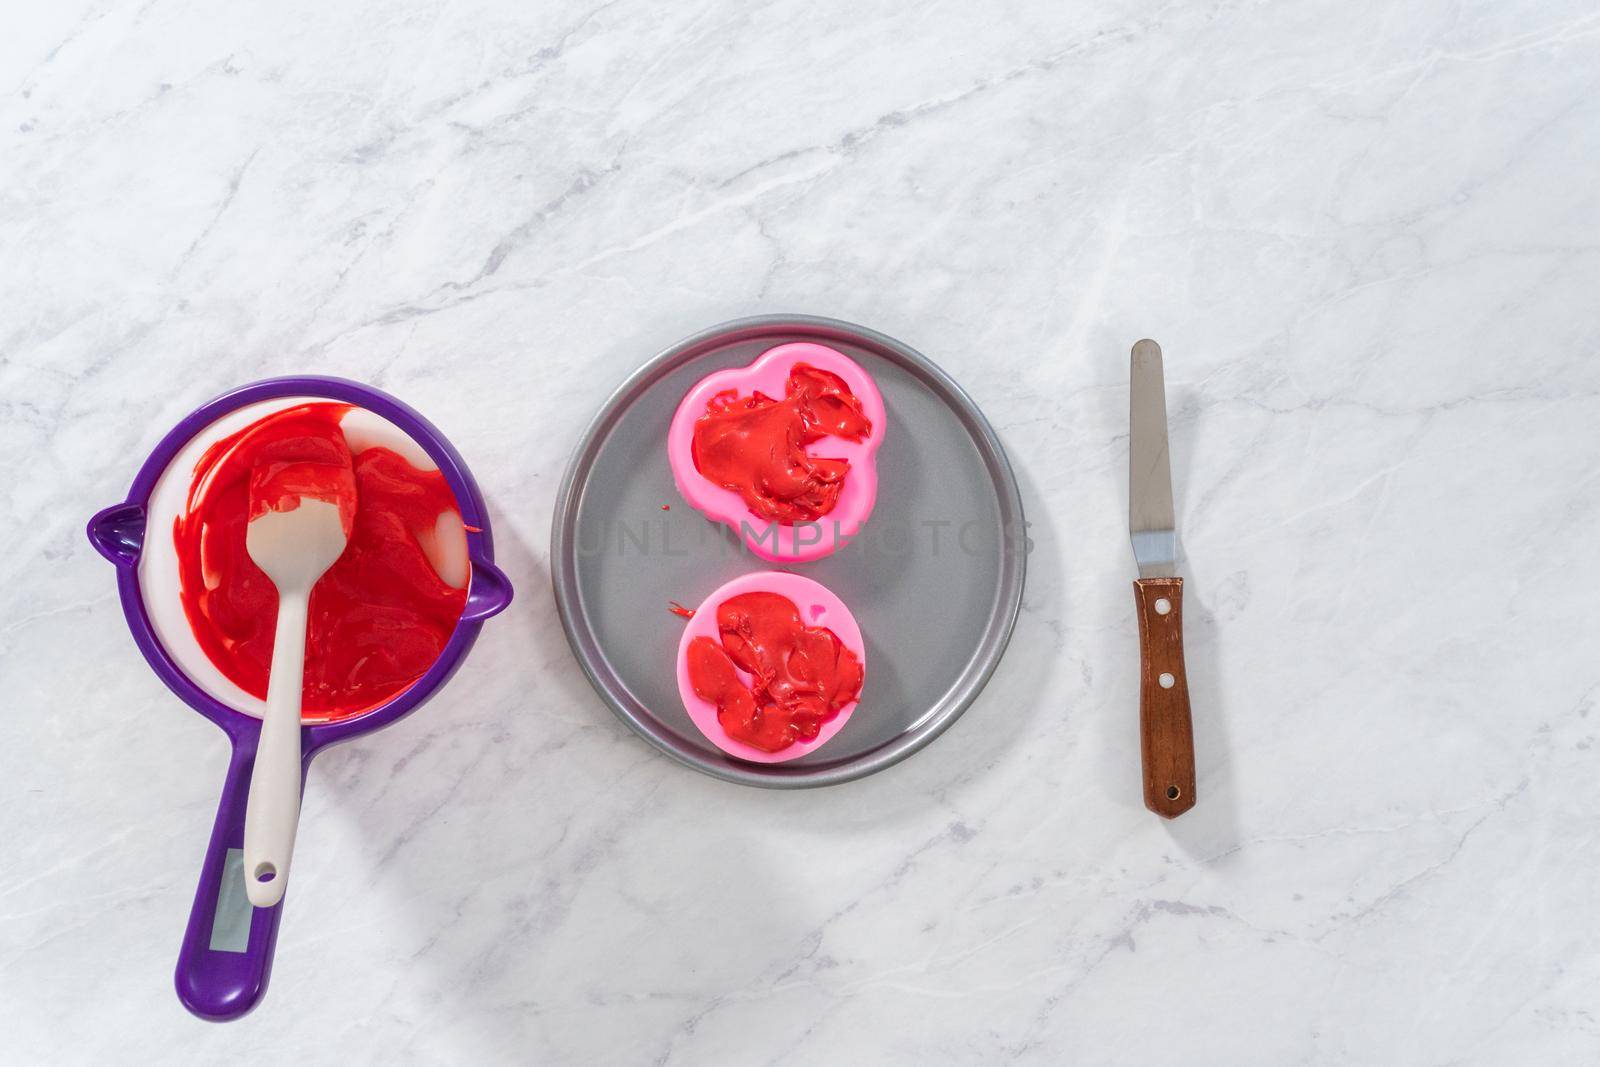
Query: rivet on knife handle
point(1166, 735)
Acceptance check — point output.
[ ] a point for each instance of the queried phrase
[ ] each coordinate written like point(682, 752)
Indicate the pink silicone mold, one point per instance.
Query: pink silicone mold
point(769, 374)
point(818, 607)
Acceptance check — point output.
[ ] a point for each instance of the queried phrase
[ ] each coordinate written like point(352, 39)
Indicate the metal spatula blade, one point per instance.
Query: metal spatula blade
point(1150, 520)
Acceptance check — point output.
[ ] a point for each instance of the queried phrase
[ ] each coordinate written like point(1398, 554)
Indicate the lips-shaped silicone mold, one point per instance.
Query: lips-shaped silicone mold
point(818, 608)
point(771, 540)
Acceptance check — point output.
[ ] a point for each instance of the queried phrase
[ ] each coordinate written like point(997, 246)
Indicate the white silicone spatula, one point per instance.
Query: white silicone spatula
point(293, 547)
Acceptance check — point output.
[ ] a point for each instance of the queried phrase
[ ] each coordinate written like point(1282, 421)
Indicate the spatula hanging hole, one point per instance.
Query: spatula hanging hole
point(1167, 681)
point(1173, 792)
point(1163, 605)
point(265, 872)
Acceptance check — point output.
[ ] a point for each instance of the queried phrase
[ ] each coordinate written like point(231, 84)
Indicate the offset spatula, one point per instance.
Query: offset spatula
point(1166, 736)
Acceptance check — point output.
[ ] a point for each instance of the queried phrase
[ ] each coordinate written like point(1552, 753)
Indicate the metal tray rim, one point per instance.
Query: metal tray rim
point(967, 686)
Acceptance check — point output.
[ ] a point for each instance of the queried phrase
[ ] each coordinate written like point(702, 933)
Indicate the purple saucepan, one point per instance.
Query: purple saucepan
point(226, 957)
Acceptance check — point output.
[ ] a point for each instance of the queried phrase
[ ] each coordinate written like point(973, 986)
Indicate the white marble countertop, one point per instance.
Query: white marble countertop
point(1369, 239)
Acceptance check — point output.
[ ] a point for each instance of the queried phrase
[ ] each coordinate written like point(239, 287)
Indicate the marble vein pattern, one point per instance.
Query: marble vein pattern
point(1366, 234)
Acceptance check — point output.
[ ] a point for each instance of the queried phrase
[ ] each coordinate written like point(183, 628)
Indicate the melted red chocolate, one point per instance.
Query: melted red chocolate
point(756, 446)
point(381, 614)
point(280, 484)
point(800, 676)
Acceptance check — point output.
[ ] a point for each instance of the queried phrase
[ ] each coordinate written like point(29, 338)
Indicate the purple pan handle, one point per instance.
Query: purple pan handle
point(226, 958)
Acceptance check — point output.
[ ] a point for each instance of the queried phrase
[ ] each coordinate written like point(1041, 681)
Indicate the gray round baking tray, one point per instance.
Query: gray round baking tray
point(935, 578)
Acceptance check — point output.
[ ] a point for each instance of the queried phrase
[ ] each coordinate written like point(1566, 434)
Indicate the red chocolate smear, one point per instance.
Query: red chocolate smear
point(381, 614)
point(756, 446)
point(679, 610)
point(280, 484)
point(800, 676)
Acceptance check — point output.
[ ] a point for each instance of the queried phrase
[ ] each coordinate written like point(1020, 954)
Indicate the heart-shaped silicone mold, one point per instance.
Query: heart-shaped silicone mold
point(771, 540)
point(818, 608)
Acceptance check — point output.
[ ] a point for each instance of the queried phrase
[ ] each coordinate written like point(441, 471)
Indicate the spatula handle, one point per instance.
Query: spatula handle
point(1166, 733)
point(272, 811)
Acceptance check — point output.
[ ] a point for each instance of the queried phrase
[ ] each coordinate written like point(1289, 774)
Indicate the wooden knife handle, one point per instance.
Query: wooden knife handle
point(1166, 734)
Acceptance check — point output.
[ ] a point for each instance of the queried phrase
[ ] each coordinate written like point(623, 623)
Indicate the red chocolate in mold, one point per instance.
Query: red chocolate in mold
point(770, 666)
point(783, 452)
point(758, 447)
